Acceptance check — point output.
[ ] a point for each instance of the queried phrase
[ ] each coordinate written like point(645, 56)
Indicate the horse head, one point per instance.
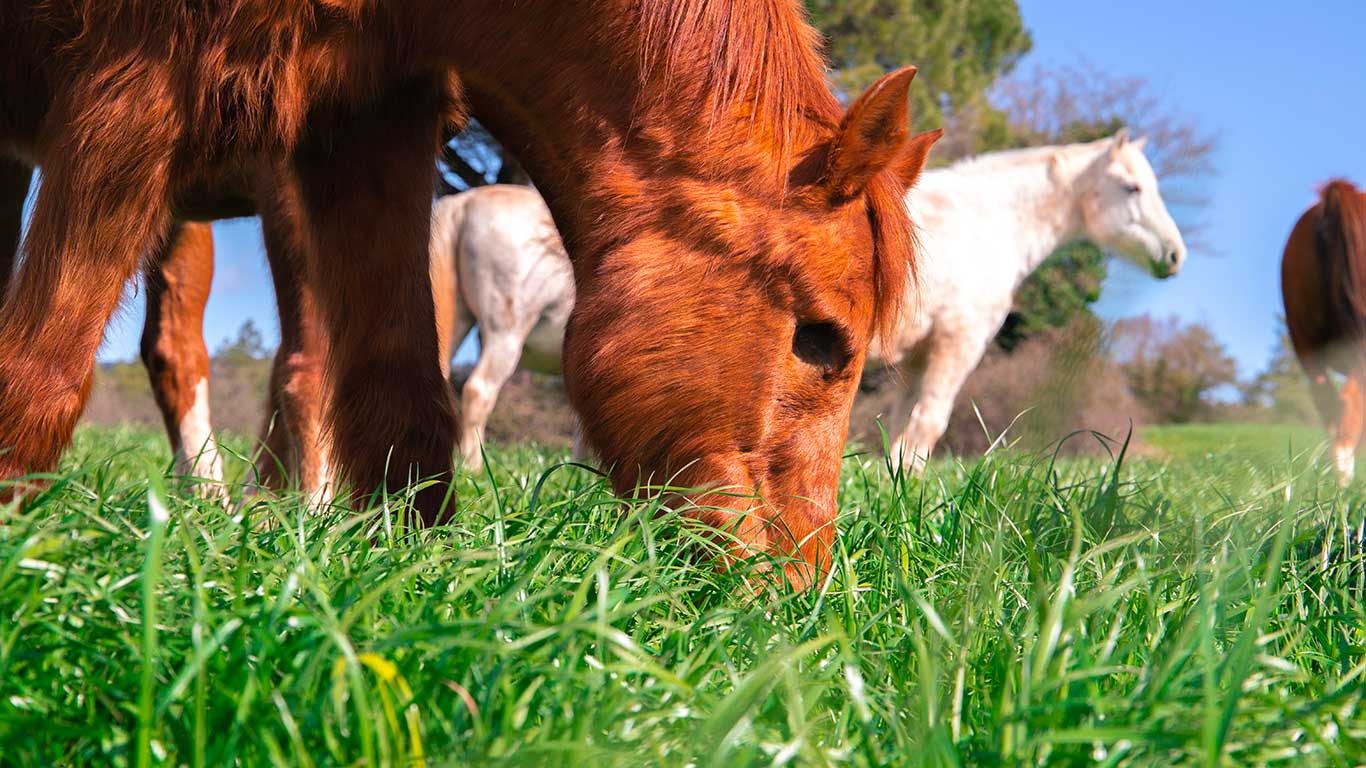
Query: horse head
point(1123, 209)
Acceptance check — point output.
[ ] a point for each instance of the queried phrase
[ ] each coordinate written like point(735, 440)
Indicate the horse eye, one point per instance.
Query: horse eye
point(822, 345)
point(1132, 189)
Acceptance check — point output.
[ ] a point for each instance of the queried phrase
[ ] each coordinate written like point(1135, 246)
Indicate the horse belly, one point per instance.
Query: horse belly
point(544, 348)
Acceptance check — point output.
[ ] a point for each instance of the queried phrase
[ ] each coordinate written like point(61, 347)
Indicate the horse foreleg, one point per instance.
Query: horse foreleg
point(499, 350)
point(179, 278)
point(294, 444)
point(364, 180)
point(14, 181)
point(1351, 414)
point(98, 210)
point(949, 362)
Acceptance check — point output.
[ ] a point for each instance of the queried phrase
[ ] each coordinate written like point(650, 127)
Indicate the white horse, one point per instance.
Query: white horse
point(497, 261)
point(986, 224)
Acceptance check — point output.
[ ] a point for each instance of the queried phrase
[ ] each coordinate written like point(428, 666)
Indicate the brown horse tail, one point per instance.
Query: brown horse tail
point(1341, 235)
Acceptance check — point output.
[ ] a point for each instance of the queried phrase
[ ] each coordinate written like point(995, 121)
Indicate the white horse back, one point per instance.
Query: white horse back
point(500, 257)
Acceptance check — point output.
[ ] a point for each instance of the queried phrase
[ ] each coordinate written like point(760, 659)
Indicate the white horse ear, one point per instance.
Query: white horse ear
point(1120, 140)
point(1141, 143)
point(1057, 168)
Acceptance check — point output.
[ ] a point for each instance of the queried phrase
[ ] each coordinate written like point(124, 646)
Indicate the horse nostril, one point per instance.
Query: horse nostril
point(1171, 258)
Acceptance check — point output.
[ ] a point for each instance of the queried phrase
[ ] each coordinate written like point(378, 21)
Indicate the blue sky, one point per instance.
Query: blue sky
point(1283, 87)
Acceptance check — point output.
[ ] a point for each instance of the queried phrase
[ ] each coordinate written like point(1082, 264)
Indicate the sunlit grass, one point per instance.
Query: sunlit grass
point(1204, 607)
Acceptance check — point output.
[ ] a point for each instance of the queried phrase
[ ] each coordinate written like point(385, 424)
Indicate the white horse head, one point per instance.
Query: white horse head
point(1123, 210)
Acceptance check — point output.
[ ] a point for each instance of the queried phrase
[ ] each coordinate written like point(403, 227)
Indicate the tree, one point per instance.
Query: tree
point(248, 345)
point(473, 158)
point(1172, 368)
point(1282, 390)
point(960, 46)
point(1060, 291)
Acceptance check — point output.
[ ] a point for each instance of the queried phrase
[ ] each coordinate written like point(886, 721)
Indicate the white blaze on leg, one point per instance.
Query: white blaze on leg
point(317, 475)
point(198, 452)
point(1344, 458)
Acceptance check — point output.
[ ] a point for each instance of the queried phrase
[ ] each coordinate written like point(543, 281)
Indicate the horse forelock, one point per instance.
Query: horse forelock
point(760, 58)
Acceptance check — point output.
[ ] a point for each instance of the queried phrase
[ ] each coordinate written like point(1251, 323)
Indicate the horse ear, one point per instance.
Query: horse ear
point(871, 136)
point(914, 154)
point(1120, 141)
point(1141, 143)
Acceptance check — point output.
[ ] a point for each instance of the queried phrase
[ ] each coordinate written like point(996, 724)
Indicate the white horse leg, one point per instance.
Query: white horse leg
point(500, 351)
point(1347, 434)
point(949, 363)
point(907, 377)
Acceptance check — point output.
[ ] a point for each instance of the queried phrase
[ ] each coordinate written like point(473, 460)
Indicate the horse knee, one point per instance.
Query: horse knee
point(299, 383)
point(477, 396)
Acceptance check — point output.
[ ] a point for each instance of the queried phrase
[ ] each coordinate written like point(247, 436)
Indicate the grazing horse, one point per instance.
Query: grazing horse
point(498, 262)
point(737, 238)
point(178, 276)
point(1323, 284)
point(986, 224)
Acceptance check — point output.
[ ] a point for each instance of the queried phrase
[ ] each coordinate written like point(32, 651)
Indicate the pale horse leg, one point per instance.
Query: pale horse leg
point(949, 360)
point(500, 348)
point(1351, 415)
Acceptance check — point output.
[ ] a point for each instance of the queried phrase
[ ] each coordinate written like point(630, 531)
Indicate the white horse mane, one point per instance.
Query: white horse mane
point(1006, 159)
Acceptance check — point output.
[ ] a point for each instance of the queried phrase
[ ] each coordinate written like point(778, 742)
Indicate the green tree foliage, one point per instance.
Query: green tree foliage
point(1060, 291)
point(960, 46)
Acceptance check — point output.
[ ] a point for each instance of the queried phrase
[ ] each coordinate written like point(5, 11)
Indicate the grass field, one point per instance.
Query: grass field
point(1201, 604)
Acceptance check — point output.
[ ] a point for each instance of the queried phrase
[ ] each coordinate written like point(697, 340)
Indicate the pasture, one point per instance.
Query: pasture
point(1200, 603)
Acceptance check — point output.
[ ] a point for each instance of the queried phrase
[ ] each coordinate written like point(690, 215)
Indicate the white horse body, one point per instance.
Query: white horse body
point(497, 261)
point(986, 224)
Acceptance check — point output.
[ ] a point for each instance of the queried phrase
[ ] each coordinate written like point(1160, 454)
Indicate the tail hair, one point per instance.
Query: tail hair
point(1341, 235)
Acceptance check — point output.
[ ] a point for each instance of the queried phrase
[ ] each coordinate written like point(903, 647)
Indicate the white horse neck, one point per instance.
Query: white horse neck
point(1032, 197)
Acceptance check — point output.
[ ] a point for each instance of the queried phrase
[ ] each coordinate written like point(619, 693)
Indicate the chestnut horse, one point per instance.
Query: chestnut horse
point(1323, 284)
point(178, 276)
point(736, 238)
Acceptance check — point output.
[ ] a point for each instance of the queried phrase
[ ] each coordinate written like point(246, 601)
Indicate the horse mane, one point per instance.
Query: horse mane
point(1341, 237)
point(895, 248)
point(760, 55)
point(1011, 158)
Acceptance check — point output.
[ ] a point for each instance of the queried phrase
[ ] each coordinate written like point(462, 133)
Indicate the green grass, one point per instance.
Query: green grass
point(1201, 605)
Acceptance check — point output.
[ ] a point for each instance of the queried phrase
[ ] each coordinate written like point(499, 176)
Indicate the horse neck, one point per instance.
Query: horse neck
point(1038, 200)
point(570, 102)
